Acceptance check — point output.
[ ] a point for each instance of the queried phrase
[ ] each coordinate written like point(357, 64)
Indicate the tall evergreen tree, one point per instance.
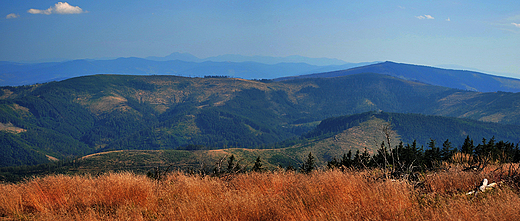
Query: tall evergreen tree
point(357, 160)
point(309, 164)
point(257, 167)
point(432, 155)
point(447, 150)
point(231, 164)
point(365, 158)
point(347, 159)
point(468, 146)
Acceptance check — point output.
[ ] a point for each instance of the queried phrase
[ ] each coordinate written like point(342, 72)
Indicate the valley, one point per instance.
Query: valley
point(277, 120)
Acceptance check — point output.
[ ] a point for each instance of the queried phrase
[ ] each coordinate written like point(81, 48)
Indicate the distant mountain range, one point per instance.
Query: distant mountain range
point(256, 59)
point(250, 67)
point(15, 74)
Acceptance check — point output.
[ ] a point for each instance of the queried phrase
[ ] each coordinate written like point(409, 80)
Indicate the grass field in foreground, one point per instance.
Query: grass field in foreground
point(276, 195)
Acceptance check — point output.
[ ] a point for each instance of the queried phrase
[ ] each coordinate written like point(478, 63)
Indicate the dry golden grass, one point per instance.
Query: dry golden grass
point(279, 195)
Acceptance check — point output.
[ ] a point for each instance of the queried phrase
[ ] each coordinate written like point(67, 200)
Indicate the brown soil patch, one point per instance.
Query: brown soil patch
point(9, 127)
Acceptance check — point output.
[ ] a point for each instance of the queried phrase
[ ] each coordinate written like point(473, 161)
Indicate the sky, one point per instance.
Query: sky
point(478, 35)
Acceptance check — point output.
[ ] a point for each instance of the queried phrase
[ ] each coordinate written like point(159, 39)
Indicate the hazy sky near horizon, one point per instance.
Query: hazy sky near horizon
point(482, 35)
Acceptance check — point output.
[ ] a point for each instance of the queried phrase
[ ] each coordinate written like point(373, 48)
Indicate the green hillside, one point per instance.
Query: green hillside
point(85, 115)
point(332, 138)
point(421, 128)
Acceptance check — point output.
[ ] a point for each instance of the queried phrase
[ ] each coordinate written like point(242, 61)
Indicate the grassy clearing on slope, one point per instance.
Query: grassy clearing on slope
point(278, 195)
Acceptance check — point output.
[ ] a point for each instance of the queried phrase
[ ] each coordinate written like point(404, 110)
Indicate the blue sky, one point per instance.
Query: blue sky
point(481, 35)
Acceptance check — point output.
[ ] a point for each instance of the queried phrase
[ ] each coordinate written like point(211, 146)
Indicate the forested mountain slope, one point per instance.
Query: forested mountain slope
point(417, 127)
point(83, 115)
point(358, 134)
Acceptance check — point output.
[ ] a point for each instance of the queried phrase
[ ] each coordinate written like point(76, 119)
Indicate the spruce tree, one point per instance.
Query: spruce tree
point(357, 160)
point(447, 151)
point(347, 159)
point(231, 164)
point(309, 165)
point(432, 155)
point(257, 167)
point(468, 146)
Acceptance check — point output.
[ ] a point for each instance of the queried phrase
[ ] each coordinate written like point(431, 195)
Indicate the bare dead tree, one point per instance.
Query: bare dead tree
point(218, 166)
point(387, 130)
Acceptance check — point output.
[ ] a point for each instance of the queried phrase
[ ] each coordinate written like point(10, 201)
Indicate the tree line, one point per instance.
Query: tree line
point(410, 157)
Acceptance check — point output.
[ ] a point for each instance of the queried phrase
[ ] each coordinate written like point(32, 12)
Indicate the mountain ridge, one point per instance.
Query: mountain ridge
point(256, 59)
point(459, 79)
point(16, 74)
point(361, 133)
point(112, 112)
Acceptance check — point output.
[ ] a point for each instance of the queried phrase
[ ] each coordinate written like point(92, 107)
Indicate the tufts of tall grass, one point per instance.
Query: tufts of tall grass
point(278, 195)
point(77, 196)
